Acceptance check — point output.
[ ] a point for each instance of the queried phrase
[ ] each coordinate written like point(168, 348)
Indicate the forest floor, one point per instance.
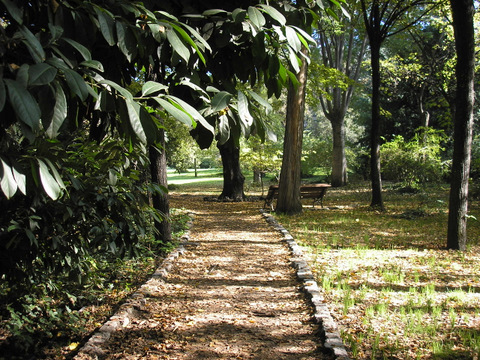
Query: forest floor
point(232, 295)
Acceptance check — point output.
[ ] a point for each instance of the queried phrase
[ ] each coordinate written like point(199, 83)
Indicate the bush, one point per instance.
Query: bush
point(414, 162)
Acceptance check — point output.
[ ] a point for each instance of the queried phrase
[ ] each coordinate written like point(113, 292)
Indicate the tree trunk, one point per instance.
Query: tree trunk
point(233, 179)
point(158, 170)
point(290, 176)
point(339, 161)
point(462, 11)
point(375, 131)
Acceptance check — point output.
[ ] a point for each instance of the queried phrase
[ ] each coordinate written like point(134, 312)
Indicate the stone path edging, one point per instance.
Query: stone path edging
point(329, 328)
point(125, 313)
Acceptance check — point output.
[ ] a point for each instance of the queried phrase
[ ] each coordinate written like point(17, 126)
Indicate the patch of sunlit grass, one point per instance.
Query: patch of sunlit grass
point(391, 286)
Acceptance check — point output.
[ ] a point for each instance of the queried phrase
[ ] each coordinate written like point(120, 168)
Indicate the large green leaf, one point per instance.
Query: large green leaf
point(274, 13)
point(59, 112)
point(133, 109)
point(193, 113)
point(243, 111)
point(33, 45)
point(261, 100)
point(256, 17)
point(294, 60)
point(80, 48)
point(177, 45)
point(14, 10)
point(24, 104)
point(49, 184)
point(76, 83)
point(151, 87)
point(107, 25)
point(189, 40)
point(175, 111)
point(41, 74)
point(21, 180)
point(124, 92)
point(126, 41)
point(220, 101)
point(223, 129)
point(8, 183)
point(93, 64)
point(293, 39)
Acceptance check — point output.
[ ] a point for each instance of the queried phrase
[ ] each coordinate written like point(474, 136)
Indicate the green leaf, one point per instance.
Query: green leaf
point(305, 35)
point(93, 64)
point(261, 100)
point(197, 36)
point(107, 23)
point(220, 101)
point(76, 83)
point(175, 111)
point(8, 183)
point(24, 104)
point(34, 47)
point(239, 15)
point(124, 92)
point(80, 48)
point(193, 113)
point(55, 173)
point(223, 129)
point(294, 60)
point(151, 87)
point(14, 10)
point(133, 109)
point(126, 42)
point(212, 12)
point(293, 39)
point(49, 184)
point(189, 40)
point(256, 17)
point(41, 74)
point(59, 112)
point(177, 45)
point(274, 13)
point(243, 111)
point(21, 180)
point(293, 78)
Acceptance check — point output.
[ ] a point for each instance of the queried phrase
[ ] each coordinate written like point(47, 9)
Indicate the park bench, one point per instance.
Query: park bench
point(307, 191)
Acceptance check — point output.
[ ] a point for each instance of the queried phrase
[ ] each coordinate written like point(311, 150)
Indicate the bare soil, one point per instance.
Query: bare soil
point(232, 295)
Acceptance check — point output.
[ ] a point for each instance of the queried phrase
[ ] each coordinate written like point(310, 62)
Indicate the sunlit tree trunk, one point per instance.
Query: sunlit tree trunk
point(462, 11)
point(290, 176)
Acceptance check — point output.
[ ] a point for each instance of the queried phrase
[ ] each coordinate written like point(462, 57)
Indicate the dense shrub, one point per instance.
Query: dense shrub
point(414, 162)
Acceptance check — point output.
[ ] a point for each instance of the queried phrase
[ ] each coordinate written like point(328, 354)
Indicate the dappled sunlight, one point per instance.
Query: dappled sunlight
point(389, 284)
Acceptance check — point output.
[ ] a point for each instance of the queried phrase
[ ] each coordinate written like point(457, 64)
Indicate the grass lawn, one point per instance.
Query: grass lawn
point(391, 286)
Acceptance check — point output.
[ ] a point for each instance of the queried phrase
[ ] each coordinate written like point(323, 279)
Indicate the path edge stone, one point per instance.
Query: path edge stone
point(330, 334)
point(126, 312)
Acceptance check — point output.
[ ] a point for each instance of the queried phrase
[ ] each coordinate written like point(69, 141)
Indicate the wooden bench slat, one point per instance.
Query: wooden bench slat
point(307, 191)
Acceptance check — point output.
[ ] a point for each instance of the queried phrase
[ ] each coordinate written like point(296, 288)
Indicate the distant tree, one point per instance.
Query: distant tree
point(463, 13)
point(342, 47)
point(383, 19)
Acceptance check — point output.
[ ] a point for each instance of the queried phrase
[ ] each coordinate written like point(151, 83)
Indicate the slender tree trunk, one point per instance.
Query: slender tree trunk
point(290, 176)
point(233, 179)
point(158, 170)
point(462, 11)
point(339, 161)
point(375, 172)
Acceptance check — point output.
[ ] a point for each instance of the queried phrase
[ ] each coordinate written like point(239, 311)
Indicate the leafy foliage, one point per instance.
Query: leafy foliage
point(416, 161)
